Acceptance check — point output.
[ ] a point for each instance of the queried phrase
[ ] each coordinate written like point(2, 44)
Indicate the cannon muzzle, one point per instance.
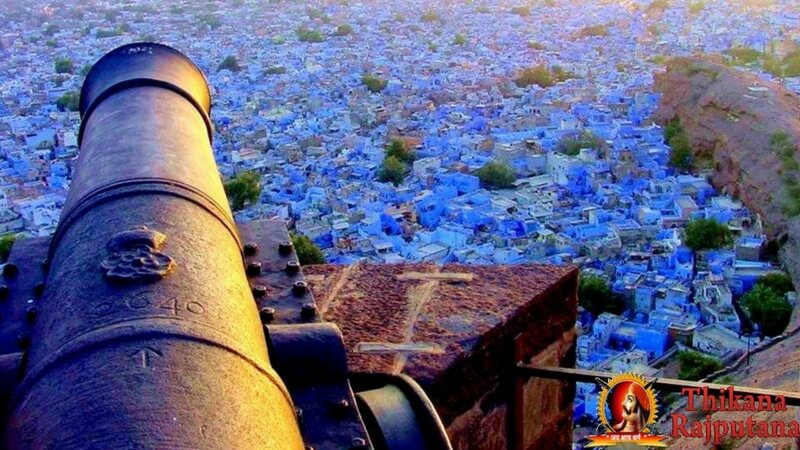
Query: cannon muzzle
point(148, 336)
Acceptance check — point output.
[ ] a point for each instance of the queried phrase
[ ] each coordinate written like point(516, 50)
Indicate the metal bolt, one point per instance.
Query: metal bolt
point(340, 407)
point(38, 289)
point(10, 270)
point(31, 313)
point(285, 248)
point(358, 443)
point(299, 414)
point(299, 288)
point(3, 292)
point(253, 269)
point(308, 447)
point(267, 314)
point(259, 290)
point(250, 249)
point(308, 311)
point(292, 267)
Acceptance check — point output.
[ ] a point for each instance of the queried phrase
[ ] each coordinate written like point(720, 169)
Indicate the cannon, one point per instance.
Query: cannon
point(151, 320)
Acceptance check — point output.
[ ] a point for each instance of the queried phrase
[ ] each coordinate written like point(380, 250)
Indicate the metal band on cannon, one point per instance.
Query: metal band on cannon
point(148, 336)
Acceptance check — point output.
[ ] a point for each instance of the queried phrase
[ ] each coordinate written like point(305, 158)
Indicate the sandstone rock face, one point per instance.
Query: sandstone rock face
point(730, 116)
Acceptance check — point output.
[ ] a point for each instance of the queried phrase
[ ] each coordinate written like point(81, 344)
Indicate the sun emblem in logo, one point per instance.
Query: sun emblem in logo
point(627, 409)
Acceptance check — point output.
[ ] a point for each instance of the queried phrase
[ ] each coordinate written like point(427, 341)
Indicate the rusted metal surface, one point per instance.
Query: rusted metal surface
point(311, 358)
point(21, 282)
point(398, 413)
point(660, 384)
point(277, 283)
point(175, 356)
point(10, 371)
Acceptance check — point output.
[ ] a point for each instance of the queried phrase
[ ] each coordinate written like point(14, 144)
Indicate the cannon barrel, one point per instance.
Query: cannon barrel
point(148, 336)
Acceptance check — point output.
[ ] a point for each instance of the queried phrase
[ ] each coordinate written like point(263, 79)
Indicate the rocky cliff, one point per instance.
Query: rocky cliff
point(730, 116)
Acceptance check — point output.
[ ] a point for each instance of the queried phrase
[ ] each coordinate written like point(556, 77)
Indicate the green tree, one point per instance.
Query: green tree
point(307, 251)
point(69, 101)
point(101, 34)
point(768, 309)
point(497, 175)
point(243, 189)
point(696, 7)
point(431, 16)
point(573, 145)
point(459, 39)
point(533, 45)
point(6, 242)
point(781, 283)
point(681, 156)
point(314, 13)
point(658, 5)
point(373, 83)
point(707, 234)
point(210, 20)
point(50, 29)
point(392, 170)
point(64, 65)
point(343, 30)
point(229, 63)
point(595, 296)
point(542, 76)
point(275, 70)
point(673, 127)
point(538, 75)
point(695, 366)
point(400, 150)
point(744, 55)
point(773, 66)
point(522, 11)
point(597, 30)
point(111, 15)
point(306, 35)
point(782, 144)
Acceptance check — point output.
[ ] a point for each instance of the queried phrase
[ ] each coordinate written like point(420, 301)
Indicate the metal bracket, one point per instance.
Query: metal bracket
point(278, 286)
point(311, 359)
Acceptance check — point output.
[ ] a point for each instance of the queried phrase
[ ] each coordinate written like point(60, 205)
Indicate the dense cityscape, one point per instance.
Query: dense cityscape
point(479, 132)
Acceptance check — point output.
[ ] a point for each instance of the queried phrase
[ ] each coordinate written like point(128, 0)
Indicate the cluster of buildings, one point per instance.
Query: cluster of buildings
point(299, 114)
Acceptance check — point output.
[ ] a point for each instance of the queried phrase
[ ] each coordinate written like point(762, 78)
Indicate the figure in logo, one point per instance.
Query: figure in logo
point(627, 409)
point(630, 406)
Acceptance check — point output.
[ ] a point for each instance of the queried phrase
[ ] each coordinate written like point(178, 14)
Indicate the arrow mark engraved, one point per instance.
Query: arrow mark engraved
point(146, 356)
